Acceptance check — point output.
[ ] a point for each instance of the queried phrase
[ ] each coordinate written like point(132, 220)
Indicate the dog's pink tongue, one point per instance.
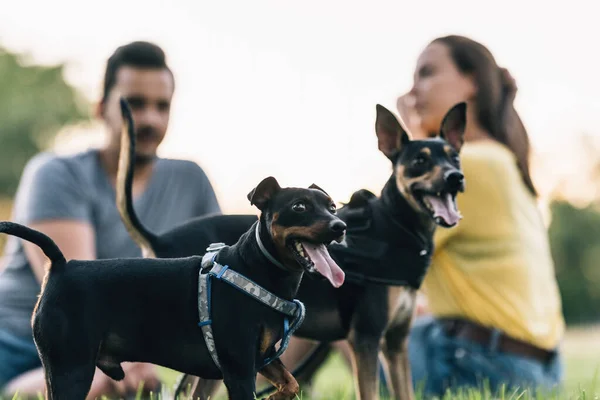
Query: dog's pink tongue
point(443, 207)
point(325, 264)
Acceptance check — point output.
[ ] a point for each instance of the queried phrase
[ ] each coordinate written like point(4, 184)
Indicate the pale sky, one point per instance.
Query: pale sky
point(282, 88)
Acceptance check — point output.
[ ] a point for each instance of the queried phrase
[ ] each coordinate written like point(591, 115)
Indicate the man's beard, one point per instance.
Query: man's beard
point(144, 133)
point(141, 160)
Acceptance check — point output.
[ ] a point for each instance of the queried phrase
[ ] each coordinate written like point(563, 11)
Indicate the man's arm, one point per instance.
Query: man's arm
point(74, 238)
point(51, 198)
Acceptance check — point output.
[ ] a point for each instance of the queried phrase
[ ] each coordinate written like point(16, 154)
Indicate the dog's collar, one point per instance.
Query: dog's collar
point(291, 309)
point(264, 250)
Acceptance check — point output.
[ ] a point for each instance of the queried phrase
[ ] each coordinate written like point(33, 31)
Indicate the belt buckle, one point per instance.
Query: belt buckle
point(451, 327)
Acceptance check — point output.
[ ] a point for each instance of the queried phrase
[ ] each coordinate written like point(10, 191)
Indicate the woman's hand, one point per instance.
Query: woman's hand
point(421, 307)
point(410, 117)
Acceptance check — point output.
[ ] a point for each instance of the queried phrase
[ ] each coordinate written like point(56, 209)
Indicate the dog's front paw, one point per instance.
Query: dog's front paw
point(287, 392)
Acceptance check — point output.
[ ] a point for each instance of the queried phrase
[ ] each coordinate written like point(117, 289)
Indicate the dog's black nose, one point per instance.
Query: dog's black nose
point(337, 226)
point(455, 179)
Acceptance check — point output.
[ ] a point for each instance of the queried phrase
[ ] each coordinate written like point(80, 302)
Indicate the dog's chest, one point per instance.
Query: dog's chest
point(267, 339)
point(380, 248)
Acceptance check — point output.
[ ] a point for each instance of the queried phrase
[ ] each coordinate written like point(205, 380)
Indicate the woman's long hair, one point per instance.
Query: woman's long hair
point(496, 91)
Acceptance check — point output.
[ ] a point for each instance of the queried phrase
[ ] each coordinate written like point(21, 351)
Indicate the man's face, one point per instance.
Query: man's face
point(149, 93)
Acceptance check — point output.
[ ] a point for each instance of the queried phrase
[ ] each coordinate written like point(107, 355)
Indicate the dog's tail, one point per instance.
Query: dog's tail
point(47, 245)
point(142, 236)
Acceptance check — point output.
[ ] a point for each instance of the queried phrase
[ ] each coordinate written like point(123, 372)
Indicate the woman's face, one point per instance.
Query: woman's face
point(438, 86)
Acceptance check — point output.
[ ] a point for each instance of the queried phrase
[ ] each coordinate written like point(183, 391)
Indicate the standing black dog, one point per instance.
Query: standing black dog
point(386, 255)
point(103, 312)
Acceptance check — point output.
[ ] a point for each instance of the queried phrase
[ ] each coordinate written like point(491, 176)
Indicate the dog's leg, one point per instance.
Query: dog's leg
point(68, 382)
point(364, 364)
point(69, 361)
point(395, 349)
point(187, 384)
point(240, 387)
point(203, 389)
point(396, 353)
point(366, 332)
point(282, 379)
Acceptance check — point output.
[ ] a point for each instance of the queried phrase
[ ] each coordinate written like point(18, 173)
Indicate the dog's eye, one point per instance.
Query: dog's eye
point(419, 160)
point(332, 208)
point(299, 207)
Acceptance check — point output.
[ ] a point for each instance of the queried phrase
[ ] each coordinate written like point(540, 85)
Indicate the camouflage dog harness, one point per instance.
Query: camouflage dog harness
point(290, 309)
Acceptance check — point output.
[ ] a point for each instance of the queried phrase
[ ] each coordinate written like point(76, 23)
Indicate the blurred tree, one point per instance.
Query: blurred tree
point(575, 241)
point(35, 103)
point(575, 233)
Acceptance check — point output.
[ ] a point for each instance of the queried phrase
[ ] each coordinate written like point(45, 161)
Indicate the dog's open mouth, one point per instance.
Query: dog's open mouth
point(442, 207)
point(315, 258)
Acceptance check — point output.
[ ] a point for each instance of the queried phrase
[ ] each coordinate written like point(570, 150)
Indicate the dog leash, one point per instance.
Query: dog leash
point(291, 309)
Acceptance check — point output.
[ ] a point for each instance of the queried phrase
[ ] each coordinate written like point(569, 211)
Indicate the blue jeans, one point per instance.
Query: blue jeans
point(440, 362)
point(17, 356)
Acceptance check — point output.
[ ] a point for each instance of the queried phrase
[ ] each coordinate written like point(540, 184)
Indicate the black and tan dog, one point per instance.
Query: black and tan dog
point(104, 312)
point(387, 251)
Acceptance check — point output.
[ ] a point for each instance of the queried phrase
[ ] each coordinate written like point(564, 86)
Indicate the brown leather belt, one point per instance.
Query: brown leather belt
point(464, 329)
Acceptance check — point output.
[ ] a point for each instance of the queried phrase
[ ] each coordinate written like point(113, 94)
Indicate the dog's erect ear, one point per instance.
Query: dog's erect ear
point(261, 194)
point(453, 126)
point(390, 134)
point(313, 186)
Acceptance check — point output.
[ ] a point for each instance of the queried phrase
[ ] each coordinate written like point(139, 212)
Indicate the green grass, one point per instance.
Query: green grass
point(581, 351)
point(582, 376)
point(334, 383)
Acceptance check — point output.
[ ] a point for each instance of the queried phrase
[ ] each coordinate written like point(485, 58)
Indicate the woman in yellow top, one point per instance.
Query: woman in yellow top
point(494, 305)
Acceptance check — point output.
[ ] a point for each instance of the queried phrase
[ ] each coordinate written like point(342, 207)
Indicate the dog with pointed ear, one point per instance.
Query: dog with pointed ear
point(392, 136)
point(454, 126)
point(427, 172)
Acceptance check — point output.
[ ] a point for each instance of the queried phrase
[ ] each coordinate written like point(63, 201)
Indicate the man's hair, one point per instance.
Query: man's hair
point(137, 54)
